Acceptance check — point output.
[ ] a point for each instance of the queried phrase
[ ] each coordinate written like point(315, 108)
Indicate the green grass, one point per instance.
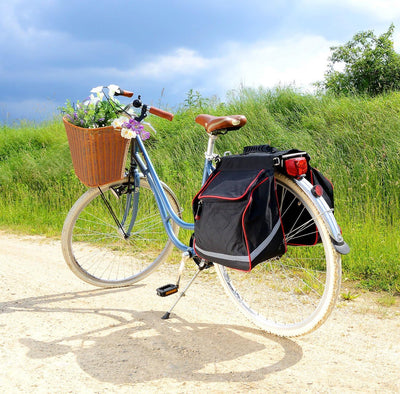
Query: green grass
point(354, 141)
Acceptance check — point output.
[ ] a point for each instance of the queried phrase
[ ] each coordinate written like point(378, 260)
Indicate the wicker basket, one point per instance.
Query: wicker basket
point(98, 155)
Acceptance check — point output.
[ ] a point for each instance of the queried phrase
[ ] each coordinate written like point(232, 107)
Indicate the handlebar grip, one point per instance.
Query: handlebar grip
point(125, 93)
point(161, 113)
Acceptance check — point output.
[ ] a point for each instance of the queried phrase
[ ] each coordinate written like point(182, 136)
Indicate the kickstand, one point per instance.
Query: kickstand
point(201, 267)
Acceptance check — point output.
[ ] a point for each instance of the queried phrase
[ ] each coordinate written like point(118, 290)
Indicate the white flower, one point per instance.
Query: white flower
point(93, 100)
point(112, 89)
point(128, 133)
point(98, 89)
point(90, 100)
point(118, 122)
point(99, 92)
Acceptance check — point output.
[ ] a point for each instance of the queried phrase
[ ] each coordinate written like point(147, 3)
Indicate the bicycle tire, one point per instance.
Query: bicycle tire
point(95, 248)
point(294, 294)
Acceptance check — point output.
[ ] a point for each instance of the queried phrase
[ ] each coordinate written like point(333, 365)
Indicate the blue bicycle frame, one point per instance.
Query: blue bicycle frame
point(166, 211)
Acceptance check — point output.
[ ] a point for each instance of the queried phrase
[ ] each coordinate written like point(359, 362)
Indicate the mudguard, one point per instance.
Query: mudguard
point(327, 214)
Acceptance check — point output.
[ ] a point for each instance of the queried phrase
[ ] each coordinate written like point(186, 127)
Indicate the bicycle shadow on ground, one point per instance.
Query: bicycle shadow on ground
point(140, 347)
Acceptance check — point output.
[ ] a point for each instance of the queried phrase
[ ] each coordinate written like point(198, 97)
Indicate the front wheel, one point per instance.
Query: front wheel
point(99, 251)
point(293, 294)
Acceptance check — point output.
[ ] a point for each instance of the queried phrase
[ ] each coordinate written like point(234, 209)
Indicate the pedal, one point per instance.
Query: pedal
point(167, 290)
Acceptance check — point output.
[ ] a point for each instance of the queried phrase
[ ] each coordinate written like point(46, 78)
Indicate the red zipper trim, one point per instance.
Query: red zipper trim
point(235, 198)
point(210, 178)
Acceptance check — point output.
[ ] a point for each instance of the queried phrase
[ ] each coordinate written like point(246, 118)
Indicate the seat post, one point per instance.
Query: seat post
point(210, 147)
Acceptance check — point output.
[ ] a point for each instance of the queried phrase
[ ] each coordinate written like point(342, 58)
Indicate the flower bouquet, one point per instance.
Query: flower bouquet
point(99, 131)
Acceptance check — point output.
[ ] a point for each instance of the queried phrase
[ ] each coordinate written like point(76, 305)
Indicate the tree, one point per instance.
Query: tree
point(370, 65)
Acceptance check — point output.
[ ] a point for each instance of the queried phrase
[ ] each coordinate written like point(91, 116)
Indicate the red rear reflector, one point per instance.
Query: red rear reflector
point(296, 167)
point(317, 191)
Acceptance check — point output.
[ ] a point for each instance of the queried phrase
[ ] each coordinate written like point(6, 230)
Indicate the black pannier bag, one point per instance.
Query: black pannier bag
point(237, 220)
point(293, 213)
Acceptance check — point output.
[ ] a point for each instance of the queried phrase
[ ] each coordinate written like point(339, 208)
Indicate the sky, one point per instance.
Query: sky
point(54, 50)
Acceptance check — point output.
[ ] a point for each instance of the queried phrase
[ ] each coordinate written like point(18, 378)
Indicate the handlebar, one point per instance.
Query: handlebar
point(137, 103)
point(161, 113)
point(124, 93)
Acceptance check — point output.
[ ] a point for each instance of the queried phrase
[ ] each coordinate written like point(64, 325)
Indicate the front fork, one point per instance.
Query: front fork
point(132, 203)
point(132, 192)
point(327, 215)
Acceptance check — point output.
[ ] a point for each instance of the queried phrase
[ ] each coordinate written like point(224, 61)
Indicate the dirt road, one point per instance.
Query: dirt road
point(60, 335)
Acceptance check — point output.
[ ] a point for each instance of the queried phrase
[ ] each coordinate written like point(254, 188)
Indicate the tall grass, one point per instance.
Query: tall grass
point(355, 141)
point(37, 182)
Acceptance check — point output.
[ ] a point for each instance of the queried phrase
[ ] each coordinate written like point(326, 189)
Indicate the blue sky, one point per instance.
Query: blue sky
point(51, 50)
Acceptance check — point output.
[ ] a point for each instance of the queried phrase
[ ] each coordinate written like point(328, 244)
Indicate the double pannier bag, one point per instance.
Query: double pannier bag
point(293, 213)
point(237, 220)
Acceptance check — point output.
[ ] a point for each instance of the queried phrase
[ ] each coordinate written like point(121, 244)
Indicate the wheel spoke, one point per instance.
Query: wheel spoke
point(99, 252)
point(292, 294)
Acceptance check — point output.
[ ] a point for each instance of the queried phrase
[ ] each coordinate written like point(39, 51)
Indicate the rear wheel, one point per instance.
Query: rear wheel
point(294, 294)
point(96, 249)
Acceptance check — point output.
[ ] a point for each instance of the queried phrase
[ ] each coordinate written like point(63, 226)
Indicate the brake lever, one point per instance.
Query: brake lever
point(148, 124)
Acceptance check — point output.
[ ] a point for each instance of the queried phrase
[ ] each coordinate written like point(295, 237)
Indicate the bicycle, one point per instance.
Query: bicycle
point(115, 235)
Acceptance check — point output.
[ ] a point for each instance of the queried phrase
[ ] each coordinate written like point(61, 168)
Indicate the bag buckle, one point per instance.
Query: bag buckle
point(277, 161)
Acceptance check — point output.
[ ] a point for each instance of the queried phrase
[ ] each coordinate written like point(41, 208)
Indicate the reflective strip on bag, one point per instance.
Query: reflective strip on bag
point(253, 254)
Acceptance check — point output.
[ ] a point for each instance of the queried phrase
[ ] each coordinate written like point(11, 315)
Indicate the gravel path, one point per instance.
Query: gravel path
point(60, 335)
